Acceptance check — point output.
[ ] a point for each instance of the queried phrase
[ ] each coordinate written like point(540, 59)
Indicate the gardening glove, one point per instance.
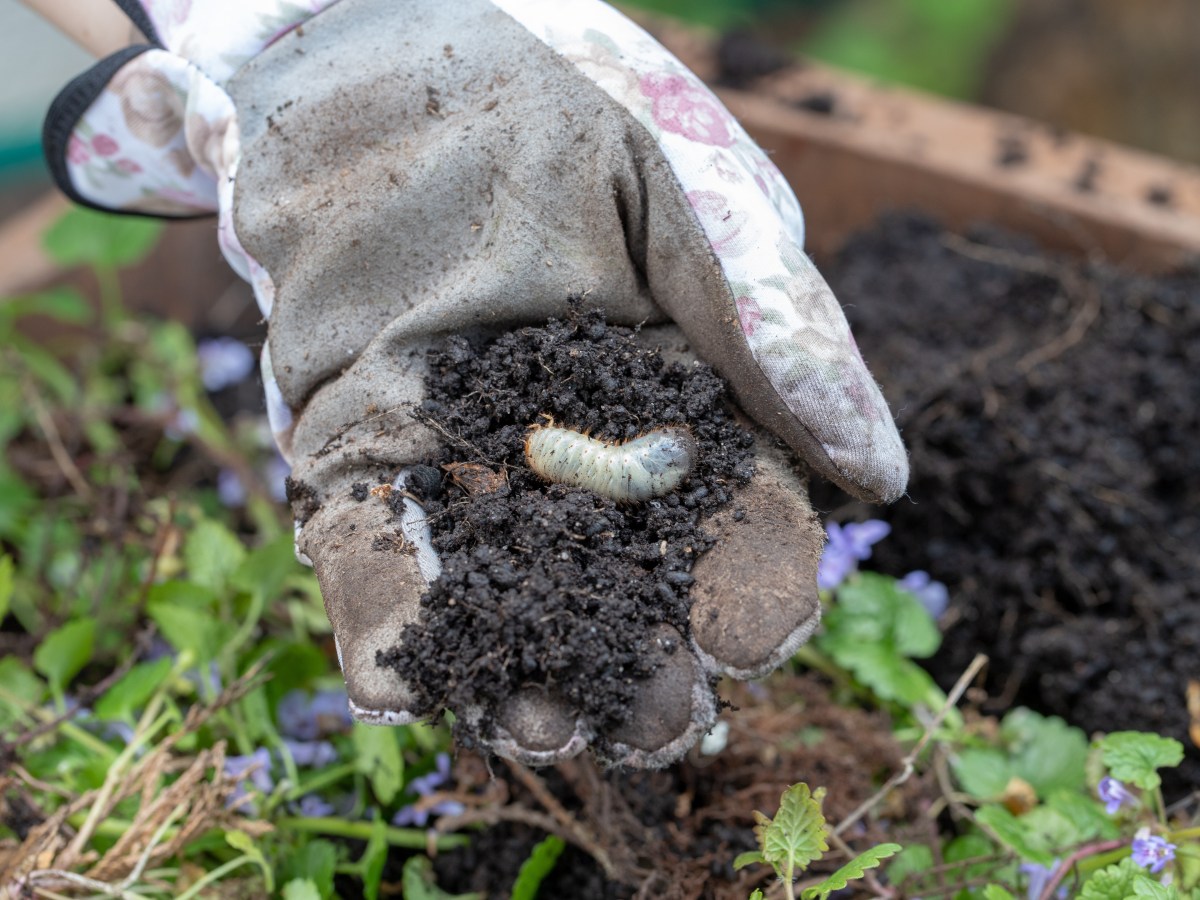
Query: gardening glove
point(389, 173)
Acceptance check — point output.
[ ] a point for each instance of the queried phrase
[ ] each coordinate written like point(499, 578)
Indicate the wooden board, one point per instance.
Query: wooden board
point(853, 150)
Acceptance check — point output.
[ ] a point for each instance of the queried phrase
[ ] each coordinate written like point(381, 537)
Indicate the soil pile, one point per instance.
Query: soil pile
point(543, 583)
point(1051, 412)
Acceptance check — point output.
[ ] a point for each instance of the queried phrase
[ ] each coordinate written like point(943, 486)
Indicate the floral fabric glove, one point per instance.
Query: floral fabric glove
point(386, 173)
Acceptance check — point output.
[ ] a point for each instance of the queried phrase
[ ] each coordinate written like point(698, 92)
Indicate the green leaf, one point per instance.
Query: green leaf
point(757, 895)
point(796, 836)
point(374, 858)
point(889, 675)
point(1046, 751)
point(983, 772)
point(184, 614)
point(377, 756)
point(856, 868)
point(132, 691)
point(6, 583)
point(301, 889)
point(1115, 882)
point(417, 881)
point(87, 237)
point(62, 303)
point(1085, 813)
point(1041, 750)
point(239, 840)
point(873, 629)
point(1014, 834)
point(64, 652)
point(314, 863)
point(535, 869)
point(1135, 757)
point(749, 858)
point(264, 569)
point(19, 689)
point(1155, 890)
point(995, 892)
point(915, 859)
point(58, 380)
point(212, 553)
point(870, 607)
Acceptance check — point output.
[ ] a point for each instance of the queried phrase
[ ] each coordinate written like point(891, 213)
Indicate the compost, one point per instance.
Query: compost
point(542, 583)
point(1049, 407)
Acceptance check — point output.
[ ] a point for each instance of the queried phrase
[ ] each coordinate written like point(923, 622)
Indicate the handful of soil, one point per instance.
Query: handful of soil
point(547, 584)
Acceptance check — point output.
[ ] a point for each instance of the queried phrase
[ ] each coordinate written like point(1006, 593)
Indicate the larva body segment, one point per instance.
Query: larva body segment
point(631, 472)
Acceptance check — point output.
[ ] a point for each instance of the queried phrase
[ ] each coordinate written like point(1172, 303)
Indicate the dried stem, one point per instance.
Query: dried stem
point(909, 761)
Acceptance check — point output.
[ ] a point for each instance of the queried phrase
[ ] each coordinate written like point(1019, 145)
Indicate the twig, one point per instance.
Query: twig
point(54, 440)
point(909, 761)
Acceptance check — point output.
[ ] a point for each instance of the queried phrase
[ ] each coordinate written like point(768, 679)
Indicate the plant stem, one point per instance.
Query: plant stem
point(411, 838)
point(111, 306)
point(1069, 863)
point(320, 780)
point(215, 875)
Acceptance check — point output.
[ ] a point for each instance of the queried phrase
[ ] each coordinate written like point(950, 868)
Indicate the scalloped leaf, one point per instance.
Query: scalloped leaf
point(995, 892)
point(1136, 756)
point(796, 836)
point(1119, 881)
point(852, 870)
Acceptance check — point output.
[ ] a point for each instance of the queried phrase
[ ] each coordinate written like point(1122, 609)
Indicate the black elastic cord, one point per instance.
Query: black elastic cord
point(137, 15)
point(68, 108)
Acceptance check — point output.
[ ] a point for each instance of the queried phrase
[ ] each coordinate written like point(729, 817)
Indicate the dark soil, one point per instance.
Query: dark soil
point(546, 584)
point(1050, 409)
point(673, 834)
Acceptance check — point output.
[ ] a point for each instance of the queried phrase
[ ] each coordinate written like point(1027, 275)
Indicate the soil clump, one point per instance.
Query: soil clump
point(545, 584)
point(1049, 407)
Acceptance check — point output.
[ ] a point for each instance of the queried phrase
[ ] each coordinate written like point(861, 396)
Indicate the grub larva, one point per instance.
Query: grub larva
point(647, 466)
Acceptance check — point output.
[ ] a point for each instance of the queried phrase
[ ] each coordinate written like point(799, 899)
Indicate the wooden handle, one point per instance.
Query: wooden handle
point(96, 25)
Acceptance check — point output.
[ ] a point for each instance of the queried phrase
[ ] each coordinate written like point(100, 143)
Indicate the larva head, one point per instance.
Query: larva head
point(670, 449)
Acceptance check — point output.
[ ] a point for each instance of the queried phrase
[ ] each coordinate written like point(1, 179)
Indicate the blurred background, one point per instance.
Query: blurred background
point(1129, 72)
point(1110, 68)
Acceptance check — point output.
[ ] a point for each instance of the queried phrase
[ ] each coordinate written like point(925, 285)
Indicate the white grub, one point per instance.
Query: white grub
point(634, 471)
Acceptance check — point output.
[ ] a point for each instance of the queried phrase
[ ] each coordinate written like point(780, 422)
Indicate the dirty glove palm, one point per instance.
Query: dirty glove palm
point(393, 172)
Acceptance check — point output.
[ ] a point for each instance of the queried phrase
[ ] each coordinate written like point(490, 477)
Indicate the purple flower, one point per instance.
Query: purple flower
point(1114, 794)
point(313, 807)
point(412, 816)
point(848, 546)
point(311, 754)
point(230, 491)
point(306, 718)
point(1151, 851)
point(1039, 877)
point(181, 424)
point(424, 786)
point(932, 594)
point(256, 767)
point(427, 784)
point(224, 362)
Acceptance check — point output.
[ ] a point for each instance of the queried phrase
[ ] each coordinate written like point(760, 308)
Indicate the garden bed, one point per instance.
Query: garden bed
point(1049, 407)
